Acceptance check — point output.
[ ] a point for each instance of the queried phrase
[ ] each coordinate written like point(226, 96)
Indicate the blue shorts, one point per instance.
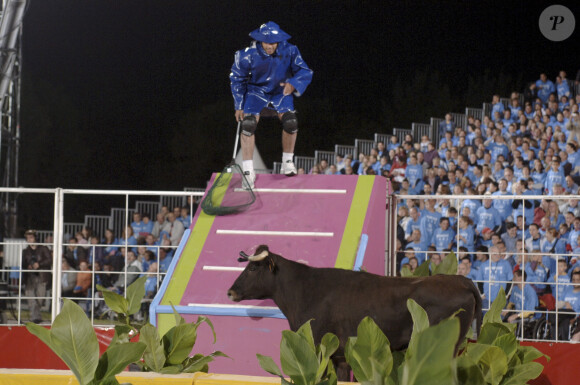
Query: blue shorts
point(254, 103)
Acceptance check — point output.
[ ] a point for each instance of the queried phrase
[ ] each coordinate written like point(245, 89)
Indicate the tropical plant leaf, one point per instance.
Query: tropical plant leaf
point(268, 364)
point(508, 343)
point(180, 345)
point(328, 345)
point(530, 353)
point(447, 266)
point(468, 372)
point(492, 330)
point(369, 353)
point(199, 362)
point(306, 331)
point(406, 272)
point(179, 320)
point(202, 319)
point(495, 364)
point(135, 294)
point(122, 334)
point(494, 313)
point(154, 355)
point(119, 356)
point(75, 342)
point(420, 323)
point(432, 362)
point(522, 374)
point(114, 301)
point(422, 270)
point(171, 369)
point(397, 372)
point(298, 360)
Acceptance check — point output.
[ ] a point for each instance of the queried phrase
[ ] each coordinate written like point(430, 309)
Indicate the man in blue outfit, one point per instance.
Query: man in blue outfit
point(268, 74)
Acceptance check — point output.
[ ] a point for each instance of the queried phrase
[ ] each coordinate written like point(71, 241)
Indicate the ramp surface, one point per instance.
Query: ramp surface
point(320, 220)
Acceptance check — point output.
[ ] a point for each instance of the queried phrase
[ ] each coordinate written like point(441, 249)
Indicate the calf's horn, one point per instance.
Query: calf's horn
point(259, 257)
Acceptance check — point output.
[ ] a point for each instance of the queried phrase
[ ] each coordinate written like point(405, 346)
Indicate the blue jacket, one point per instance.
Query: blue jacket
point(256, 73)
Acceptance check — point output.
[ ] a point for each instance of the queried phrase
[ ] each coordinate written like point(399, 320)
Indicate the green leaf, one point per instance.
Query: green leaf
point(508, 343)
point(530, 353)
point(494, 362)
point(447, 266)
point(397, 371)
point(522, 374)
point(432, 362)
point(422, 270)
point(154, 355)
point(114, 301)
point(406, 272)
point(494, 313)
point(298, 360)
point(328, 345)
point(369, 353)
point(420, 323)
point(122, 334)
point(306, 331)
point(268, 364)
point(181, 343)
point(119, 356)
point(492, 330)
point(135, 294)
point(179, 320)
point(202, 319)
point(199, 362)
point(468, 372)
point(172, 369)
point(75, 342)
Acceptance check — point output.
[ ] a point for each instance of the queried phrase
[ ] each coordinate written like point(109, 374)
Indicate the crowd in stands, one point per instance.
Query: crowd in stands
point(525, 150)
point(145, 247)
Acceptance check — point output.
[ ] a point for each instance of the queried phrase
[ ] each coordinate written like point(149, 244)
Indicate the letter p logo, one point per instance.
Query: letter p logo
point(557, 23)
point(557, 20)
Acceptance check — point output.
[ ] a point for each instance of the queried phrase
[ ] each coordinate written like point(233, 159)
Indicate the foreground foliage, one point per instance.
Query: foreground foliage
point(496, 358)
point(74, 340)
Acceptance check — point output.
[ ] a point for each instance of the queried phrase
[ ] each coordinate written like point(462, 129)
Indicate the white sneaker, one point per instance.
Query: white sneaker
point(248, 180)
point(288, 168)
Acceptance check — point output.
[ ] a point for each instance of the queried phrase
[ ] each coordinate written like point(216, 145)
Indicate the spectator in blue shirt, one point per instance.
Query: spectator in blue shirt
point(429, 221)
point(466, 234)
point(544, 87)
point(447, 125)
point(560, 281)
point(443, 236)
point(487, 216)
point(496, 105)
point(537, 273)
point(555, 175)
point(569, 306)
point(496, 273)
point(464, 268)
point(523, 299)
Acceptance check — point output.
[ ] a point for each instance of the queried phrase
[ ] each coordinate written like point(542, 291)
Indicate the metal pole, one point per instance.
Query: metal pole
point(57, 251)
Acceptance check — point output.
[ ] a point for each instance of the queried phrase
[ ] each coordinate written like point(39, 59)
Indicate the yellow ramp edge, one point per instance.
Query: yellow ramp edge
point(65, 377)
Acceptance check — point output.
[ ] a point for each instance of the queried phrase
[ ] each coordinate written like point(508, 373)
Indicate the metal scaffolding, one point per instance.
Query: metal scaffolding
point(10, 66)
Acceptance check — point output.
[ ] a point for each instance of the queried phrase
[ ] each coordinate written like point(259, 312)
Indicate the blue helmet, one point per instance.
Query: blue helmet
point(270, 33)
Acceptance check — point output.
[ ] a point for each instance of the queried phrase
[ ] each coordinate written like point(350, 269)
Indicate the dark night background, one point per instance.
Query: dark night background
point(135, 94)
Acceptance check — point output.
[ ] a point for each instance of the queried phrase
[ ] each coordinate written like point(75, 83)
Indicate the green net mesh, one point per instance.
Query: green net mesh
point(227, 194)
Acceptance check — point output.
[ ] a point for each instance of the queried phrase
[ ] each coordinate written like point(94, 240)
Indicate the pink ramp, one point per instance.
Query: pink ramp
point(320, 220)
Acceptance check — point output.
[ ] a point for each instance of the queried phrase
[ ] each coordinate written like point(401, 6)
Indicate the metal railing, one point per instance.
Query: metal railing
point(13, 297)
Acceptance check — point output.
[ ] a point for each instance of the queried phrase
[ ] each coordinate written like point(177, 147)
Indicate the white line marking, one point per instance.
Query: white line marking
point(283, 233)
point(223, 268)
point(295, 190)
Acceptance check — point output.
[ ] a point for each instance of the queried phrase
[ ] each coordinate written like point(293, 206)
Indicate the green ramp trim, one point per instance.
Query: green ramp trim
point(190, 255)
point(355, 221)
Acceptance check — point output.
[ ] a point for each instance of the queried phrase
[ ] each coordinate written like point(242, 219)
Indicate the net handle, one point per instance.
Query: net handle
point(237, 139)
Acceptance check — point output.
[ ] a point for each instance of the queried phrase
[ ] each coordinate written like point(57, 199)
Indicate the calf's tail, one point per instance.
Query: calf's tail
point(478, 308)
